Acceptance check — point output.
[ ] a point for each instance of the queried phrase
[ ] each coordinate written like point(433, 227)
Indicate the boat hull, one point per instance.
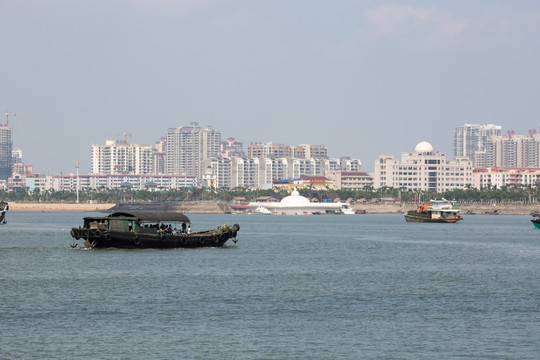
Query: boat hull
point(536, 223)
point(128, 240)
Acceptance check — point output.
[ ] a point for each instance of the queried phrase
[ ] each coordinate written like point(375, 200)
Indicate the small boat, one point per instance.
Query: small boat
point(536, 222)
point(438, 211)
point(143, 230)
point(492, 212)
point(261, 210)
point(361, 211)
point(4, 207)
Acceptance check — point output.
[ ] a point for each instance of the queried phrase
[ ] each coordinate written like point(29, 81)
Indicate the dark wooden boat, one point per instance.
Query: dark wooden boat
point(4, 207)
point(142, 230)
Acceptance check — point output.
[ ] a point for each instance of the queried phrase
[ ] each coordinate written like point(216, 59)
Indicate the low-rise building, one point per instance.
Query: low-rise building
point(498, 177)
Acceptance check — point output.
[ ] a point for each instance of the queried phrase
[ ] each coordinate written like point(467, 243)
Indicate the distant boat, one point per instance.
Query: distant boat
point(438, 211)
point(4, 206)
point(536, 222)
point(261, 210)
point(492, 212)
point(142, 230)
point(361, 211)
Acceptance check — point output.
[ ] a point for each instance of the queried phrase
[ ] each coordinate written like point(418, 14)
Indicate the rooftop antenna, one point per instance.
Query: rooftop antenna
point(7, 117)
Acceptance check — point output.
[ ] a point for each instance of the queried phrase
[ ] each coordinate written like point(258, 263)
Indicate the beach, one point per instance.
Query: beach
point(19, 206)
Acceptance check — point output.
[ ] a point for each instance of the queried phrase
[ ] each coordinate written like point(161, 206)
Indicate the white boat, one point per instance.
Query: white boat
point(345, 210)
point(261, 210)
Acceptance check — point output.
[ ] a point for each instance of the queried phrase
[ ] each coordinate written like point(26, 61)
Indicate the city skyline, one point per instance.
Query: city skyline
point(365, 78)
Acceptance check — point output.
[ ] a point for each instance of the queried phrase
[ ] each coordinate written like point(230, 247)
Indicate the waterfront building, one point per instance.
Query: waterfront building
point(498, 177)
point(472, 138)
point(350, 180)
point(422, 169)
point(99, 181)
point(6, 147)
point(295, 204)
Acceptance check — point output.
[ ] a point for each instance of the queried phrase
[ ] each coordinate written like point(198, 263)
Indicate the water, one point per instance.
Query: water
point(293, 287)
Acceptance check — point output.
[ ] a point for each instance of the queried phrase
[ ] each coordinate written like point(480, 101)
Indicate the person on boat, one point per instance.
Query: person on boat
point(183, 227)
point(189, 229)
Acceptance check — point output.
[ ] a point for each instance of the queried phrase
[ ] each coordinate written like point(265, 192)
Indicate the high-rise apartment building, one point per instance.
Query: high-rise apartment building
point(511, 150)
point(121, 158)
point(270, 150)
point(232, 147)
point(6, 147)
point(472, 138)
point(188, 147)
point(305, 151)
point(159, 156)
point(245, 172)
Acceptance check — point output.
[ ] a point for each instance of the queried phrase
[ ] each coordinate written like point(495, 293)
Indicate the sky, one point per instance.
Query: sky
point(364, 78)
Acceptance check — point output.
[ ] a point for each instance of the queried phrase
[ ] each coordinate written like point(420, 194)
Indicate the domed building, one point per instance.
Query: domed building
point(296, 204)
point(423, 169)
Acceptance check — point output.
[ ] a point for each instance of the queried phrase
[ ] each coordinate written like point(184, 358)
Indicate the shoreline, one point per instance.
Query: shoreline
point(212, 208)
point(60, 207)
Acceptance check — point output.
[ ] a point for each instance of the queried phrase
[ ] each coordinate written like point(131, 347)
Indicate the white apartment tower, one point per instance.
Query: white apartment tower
point(121, 158)
point(472, 138)
point(512, 151)
point(188, 147)
point(6, 147)
point(245, 172)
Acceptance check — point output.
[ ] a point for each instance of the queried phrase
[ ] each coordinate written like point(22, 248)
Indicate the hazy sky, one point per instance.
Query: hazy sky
point(363, 77)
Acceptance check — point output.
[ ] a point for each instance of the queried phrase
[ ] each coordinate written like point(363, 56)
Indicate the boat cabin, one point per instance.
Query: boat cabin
point(139, 222)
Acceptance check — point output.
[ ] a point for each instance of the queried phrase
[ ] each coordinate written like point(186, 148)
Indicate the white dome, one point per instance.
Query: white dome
point(423, 147)
point(295, 199)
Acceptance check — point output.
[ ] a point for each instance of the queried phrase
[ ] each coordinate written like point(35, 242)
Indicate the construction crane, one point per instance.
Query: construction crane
point(125, 135)
point(7, 117)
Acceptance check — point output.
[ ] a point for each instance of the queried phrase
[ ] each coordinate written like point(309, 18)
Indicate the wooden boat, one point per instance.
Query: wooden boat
point(438, 211)
point(4, 207)
point(142, 230)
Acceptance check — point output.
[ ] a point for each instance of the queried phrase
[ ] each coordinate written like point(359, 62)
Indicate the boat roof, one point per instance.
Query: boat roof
point(149, 216)
point(153, 216)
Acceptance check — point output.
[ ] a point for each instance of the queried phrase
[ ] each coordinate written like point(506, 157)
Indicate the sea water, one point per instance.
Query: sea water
point(293, 287)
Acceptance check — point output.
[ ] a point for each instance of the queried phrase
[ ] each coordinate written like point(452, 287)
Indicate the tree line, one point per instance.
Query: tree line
point(504, 194)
